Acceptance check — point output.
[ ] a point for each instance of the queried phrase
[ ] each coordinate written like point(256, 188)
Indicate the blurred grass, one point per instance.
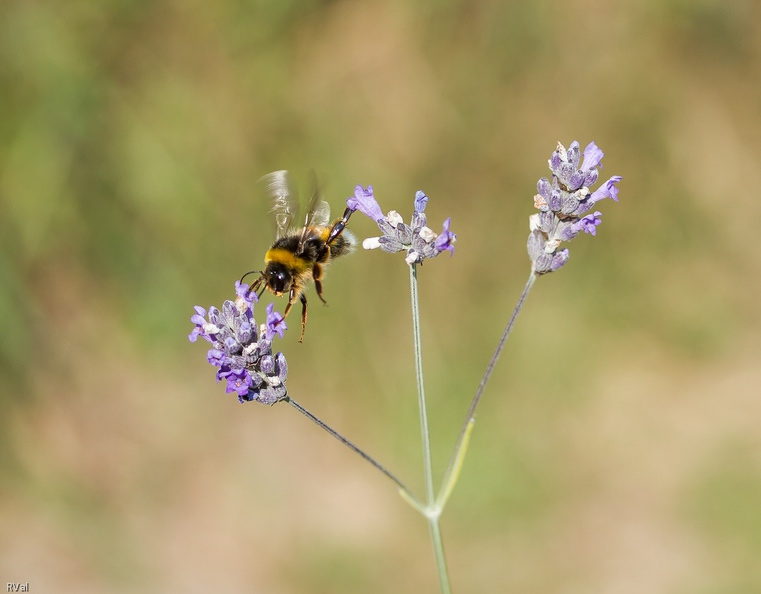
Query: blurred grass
point(131, 139)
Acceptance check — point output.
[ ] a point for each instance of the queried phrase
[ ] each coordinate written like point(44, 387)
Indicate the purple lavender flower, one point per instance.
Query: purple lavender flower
point(445, 240)
point(364, 201)
point(607, 190)
point(563, 202)
point(589, 223)
point(421, 200)
point(592, 157)
point(238, 381)
point(241, 351)
point(200, 330)
point(416, 239)
point(244, 298)
point(275, 323)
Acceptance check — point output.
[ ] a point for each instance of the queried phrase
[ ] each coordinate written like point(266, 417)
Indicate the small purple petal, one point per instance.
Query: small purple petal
point(446, 238)
point(592, 157)
point(390, 245)
point(589, 223)
point(566, 230)
point(591, 177)
point(243, 294)
point(271, 395)
point(217, 358)
point(238, 381)
point(535, 246)
point(612, 188)
point(199, 319)
point(232, 346)
point(556, 160)
point(275, 323)
point(245, 332)
point(543, 263)
point(546, 220)
point(267, 364)
point(574, 153)
point(364, 201)
point(575, 181)
point(607, 190)
point(282, 367)
point(241, 289)
point(564, 172)
point(559, 259)
point(420, 201)
point(544, 188)
point(555, 203)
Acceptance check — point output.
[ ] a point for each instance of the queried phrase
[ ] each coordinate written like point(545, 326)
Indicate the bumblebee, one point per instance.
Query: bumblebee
point(299, 255)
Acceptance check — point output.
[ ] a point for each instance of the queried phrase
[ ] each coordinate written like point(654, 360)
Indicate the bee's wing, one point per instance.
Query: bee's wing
point(285, 204)
point(317, 210)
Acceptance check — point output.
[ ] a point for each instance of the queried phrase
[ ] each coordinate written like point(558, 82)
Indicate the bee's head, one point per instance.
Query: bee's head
point(277, 278)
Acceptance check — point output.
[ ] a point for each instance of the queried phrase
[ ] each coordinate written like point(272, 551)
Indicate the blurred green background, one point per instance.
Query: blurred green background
point(617, 448)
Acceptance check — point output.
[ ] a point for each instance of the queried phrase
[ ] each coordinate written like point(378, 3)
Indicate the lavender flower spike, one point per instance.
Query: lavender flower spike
point(241, 352)
point(416, 239)
point(562, 203)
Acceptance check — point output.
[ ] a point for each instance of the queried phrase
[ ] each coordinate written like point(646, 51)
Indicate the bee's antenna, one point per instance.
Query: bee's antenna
point(255, 285)
point(250, 272)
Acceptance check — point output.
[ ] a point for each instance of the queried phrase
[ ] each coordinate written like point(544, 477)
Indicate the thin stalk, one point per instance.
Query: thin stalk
point(438, 550)
point(432, 512)
point(423, 409)
point(405, 492)
point(455, 461)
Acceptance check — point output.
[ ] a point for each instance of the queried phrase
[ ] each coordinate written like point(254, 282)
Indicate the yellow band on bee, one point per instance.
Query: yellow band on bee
point(287, 258)
point(322, 232)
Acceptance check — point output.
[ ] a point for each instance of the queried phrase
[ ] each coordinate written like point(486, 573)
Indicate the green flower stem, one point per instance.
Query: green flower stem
point(458, 454)
point(438, 550)
point(431, 511)
point(427, 468)
point(403, 490)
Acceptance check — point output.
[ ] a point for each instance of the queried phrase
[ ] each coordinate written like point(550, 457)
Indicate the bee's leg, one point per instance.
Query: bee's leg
point(318, 290)
point(317, 276)
point(339, 226)
point(291, 300)
point(303, 316)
